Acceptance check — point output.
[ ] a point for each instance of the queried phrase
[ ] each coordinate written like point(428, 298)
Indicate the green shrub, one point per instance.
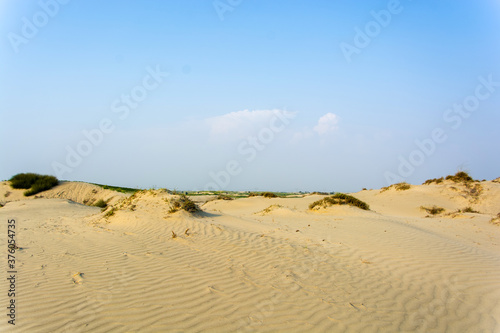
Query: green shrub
point(340, 199)
point(269, 195)
point(34, 183)
point(101, 204)
point(42, 184)
point(24, 180)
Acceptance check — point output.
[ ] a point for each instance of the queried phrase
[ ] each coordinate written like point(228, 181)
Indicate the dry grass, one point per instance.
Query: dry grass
point(269, 209)
point(183, 203)
point(460, 177)
point(399, 187)
point(402, 186)
point(473, 192)
point(434, 180)
point(434, 210)
point(110, 213)
point(496, 220)
point(468, 210)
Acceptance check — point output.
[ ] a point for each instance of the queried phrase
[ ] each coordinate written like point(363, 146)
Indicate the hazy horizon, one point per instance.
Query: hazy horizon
point(250, 95)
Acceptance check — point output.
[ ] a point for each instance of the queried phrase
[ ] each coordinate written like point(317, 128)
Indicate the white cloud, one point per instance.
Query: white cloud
point(241, 123)
point(327, 123)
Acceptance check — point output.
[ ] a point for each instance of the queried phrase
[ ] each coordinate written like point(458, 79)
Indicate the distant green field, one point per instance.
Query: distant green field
point(125, 190)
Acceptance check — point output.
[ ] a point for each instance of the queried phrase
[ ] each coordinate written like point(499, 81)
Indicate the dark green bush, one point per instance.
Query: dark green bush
point(340, 199)
point(24, 180)
point(101, 204)
point(34, 183)
point(44, 183)
point(269, 195)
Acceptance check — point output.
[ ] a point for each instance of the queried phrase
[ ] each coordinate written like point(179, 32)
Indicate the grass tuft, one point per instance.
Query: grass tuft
point(468, 210)
point(340, 199)
point(270, 208)
point(496, 220)
point(434, 180)
point(402, 186)
point(434, 210)
point(184, 203)
point(460, 177)
point(110, 213)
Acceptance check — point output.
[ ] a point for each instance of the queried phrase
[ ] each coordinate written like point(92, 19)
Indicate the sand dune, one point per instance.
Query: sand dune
point(256, 264)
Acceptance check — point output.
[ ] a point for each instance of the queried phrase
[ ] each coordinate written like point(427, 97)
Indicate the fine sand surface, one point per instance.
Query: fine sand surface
point(254, 264)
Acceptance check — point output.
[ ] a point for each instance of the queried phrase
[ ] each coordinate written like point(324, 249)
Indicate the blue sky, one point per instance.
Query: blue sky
point(228, 71)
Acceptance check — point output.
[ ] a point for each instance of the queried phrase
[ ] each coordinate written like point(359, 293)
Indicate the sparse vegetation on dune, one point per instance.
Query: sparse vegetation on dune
point(496, 220)
point(460, 177)
point(224, 197)
point(468, 210)
point(399, 187)
point(33, 183)
point(434, 210)
point(434, 180)
point(183, 203)
point(402, 186)
point(110, 212)
point(125, 190)
point(269, 209)
point(340, 199)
